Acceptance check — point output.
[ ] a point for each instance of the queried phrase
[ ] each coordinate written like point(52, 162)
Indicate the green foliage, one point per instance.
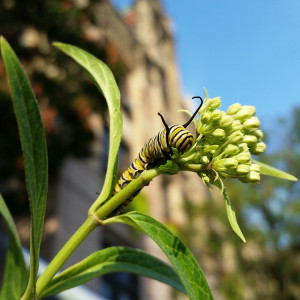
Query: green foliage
point(16, 273)
point(179, 255)
point(114, 259)
point(34, 151)
point(271, 171)
point(105, 81)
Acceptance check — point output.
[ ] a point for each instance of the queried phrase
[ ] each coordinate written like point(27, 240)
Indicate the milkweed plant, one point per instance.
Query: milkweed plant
point(223, 147)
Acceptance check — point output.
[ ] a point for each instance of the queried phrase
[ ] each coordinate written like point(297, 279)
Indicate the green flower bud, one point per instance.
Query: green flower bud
point(243, 169)
point(204, 177)
point(207, 129)
point(236, 137)
point(253, 176)
point(243, 114)
point(252, 110)
point(216, 115)
point(244, 147)
point(234, 108)
point(205, 117)
point(226, 121)
point(230, 163)
point(252, 123)
point(218, 165)
point(258, 148)
point(204, 159)
point(231, 150)
point(249, 139)
point(214, 103)
point(258, 133)
point(218, 133)
point(210, 148)
point(236, 125)
point(255, 168)
point(243, 157)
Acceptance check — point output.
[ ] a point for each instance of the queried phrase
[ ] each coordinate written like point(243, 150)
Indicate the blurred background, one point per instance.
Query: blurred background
point(162, 53)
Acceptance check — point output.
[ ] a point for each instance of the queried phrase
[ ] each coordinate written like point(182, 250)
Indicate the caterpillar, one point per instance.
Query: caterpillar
point(156, 149)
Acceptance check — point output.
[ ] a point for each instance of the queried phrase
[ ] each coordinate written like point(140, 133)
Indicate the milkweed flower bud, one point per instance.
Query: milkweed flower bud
point(252, 123)
point(258, 148)
point(218, 165)
point(234, 108)
point(255, 168)
point(226, 121)
point(204, 177)
point(210, 148)
point(243, 114)
point(204, 159)
point(258, 133)
point(231, 163)
point(253, 176)
point(214, 103)
point(219, 133)
point(235, 137)
point(236, 125)
point(205, 117)
point(251, 109)
point(243, 169)
point(243, 157)
point(231, 150)
point(249, 139)
point(216, 115)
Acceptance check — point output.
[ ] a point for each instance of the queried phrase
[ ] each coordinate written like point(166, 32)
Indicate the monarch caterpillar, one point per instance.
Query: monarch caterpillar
point(157, 148)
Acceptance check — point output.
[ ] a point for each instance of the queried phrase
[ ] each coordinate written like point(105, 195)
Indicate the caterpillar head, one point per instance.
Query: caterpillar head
point(178, 136)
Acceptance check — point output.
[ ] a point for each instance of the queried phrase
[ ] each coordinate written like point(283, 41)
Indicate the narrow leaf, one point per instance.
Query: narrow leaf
point(114, 259)
point(34, 149)
point(106, 83)
point(271, 171)
point(179, 255)
point(16, 273)
point(232, 217)
point(229, 210)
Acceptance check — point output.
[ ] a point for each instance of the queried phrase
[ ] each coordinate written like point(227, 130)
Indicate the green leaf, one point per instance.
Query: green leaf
point(114, 259)
point(232, 217)
point(34, 150)
point(170, 167)
point(179, 255)
point(105, 81)
point(271, 171)
point(229, 210)
point(16, 273)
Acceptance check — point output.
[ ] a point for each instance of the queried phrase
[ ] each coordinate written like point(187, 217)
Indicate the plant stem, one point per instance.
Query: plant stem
point(126, 193)
point(83, 231)
point(29, 289)
point(90, 224)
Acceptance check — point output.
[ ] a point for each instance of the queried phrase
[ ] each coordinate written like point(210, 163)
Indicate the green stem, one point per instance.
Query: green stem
point(90, 224)
point(83, 231)
point(29, 290)
point(192, 167)
point(126, 193)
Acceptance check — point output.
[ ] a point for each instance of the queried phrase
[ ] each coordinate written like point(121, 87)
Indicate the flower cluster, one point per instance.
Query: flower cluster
point(226, 141)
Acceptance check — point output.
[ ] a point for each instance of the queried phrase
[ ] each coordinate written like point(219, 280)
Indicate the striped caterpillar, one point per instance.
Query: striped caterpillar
point(156, 149)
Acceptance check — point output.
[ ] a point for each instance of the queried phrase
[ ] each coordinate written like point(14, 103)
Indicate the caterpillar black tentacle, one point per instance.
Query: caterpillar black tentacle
point(157, 148)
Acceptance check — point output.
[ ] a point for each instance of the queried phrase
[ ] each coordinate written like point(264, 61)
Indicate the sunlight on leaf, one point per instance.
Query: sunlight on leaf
point(271, 171)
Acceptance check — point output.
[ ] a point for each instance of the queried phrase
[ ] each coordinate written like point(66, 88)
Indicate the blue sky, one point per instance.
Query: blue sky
point(243, 51)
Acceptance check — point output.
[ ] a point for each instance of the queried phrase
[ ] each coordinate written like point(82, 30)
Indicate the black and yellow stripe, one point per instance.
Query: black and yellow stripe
point(157, 148)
